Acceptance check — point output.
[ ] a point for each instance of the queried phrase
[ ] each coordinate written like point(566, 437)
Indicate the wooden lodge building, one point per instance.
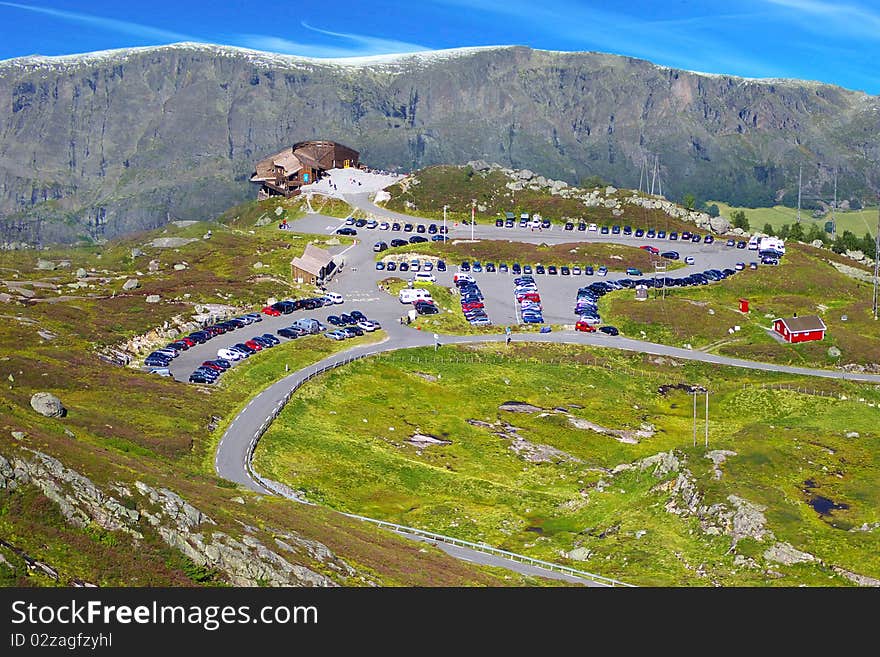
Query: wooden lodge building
point(282, 174)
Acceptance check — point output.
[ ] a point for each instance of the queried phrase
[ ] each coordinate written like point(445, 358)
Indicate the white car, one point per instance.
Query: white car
point(335, 297)
point(424, 277)
point(230, 354)
point(689, 260)
point(384, 226)
point(593, 227)
point(367, 325)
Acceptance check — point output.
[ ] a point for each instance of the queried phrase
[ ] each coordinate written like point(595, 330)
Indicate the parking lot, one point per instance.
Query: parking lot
point(358, 278)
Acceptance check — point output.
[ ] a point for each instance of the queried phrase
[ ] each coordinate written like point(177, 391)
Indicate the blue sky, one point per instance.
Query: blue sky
point(837, 42)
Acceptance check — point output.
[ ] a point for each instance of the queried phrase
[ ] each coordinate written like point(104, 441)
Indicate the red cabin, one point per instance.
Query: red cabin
point(800, 329)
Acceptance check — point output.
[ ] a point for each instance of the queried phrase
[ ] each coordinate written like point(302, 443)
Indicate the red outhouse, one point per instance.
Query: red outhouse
point(744, 305)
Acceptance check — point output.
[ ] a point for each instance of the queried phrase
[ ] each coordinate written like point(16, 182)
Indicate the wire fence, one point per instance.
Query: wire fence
point(828, 394)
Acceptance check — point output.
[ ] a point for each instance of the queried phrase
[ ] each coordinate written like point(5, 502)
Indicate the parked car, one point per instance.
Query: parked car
point(670, 255)
point(380, 266)
point(441, 265)
point(415, 239)
point(380, 246)
point(583, 325)
point(632, 271)
point(689, 260)
point(609, 330)
point(345, 230)
point(650, 249)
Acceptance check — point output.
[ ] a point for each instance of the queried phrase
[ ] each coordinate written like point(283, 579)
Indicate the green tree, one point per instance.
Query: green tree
point(783, 231)
point(815, 233)
point(713, 210)
point(869, 246)
point(689, 201)
point(768, 229)
point(855, 204)
point(740, 220)
point(796, 233)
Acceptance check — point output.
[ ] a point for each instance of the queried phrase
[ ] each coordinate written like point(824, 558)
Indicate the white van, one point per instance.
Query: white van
point(753, 243)
point(409, 294)
point(460, 276)
point(335, 297)
point(424, 277)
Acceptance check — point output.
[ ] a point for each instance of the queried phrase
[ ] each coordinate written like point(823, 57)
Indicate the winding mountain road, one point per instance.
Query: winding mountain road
point(234, 454)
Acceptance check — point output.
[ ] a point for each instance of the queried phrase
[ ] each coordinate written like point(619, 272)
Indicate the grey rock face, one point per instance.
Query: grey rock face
point(737, 137)
point(45, 403)
point(243, 562)
point(719, 224)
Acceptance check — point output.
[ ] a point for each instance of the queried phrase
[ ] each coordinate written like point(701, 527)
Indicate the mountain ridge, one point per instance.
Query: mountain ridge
point(111, 142)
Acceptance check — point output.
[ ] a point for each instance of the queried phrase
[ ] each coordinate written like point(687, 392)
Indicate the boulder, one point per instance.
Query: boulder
point(610, 190)
point(817, 243)
point(45, 403)
point(580, 554)
point(18, 435)
point(153, 266)
point(46, 265)
point(525, 174)
point(719, 224)
point(136, 253)
point(81, 273)
point(131, 284)
point(257, 265)
point(152, 298)
point(179, 266)
point(834, 352)
point(514, 186)
point(787, 554)
point(855, 255)
point(478, 165)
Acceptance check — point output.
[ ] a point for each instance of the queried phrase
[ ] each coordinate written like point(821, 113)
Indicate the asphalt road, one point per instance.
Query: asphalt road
point(358, 283)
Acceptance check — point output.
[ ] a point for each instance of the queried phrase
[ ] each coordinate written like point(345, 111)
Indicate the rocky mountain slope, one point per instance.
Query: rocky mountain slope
point(115, 142)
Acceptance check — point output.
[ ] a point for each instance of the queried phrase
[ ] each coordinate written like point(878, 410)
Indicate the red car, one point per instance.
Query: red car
point(212, 366)
point(472, 305)
point(269, 310)
point(188, 341)
point(650, 249)
point(256, 346)
point(529, 296)
point(584, 326)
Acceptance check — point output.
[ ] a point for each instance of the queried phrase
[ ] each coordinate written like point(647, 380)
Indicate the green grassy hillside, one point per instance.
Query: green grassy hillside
point(543, 483)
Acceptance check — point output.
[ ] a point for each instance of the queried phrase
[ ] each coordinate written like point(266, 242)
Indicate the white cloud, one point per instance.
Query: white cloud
point(842, 18)
point(109, 24)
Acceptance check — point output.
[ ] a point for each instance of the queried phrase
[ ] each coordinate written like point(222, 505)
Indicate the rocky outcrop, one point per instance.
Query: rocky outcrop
point(718, 457)
point(45, 403)
point(243, 560)
point(787, 555)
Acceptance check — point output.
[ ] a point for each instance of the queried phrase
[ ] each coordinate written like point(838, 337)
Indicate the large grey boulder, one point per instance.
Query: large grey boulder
point(45, 403)
point(719, 224)
point(131, 284)
point(478, 165)
point(136, 253)
point(81, 273)
point(817, 243)
point(46, 265)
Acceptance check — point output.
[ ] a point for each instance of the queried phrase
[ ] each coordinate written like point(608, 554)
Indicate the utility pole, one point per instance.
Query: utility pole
point(876, 257)
point(444, 219)
point(473, 216)
point(707, 418)
point(834, 209)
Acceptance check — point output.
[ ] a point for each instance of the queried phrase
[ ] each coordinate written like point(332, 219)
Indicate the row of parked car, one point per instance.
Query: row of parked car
point(517, 269)
point(415, 265)
point(351, 226)
point(350, 325)
point(472, 306)
point(311, 303)
point(210, 370)
point(161, 358)
point(528, 300)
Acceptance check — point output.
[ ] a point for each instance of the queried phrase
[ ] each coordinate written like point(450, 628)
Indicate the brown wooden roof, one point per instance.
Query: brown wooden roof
point(803, 324)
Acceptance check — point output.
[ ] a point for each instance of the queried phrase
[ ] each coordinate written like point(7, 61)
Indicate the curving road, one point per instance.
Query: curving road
point(235, 450)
